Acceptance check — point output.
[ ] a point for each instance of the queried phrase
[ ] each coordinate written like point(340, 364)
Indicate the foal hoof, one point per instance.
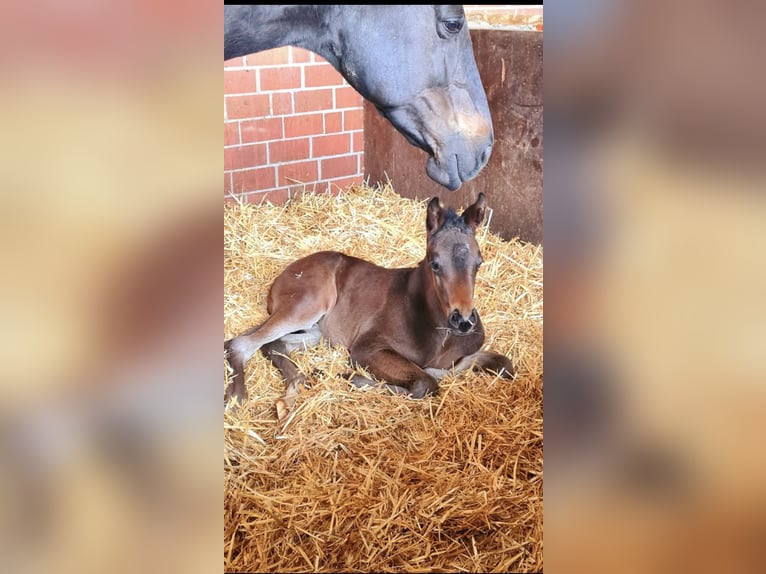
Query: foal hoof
point(234, 399)
point(282, 410)
point(502, 366)
point(506, 371)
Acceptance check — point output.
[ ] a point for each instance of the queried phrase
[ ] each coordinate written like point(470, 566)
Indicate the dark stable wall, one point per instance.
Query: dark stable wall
point(510, 63)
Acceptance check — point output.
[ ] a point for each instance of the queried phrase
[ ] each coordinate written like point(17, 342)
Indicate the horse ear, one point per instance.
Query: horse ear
point(474, 214)
point(434, 215)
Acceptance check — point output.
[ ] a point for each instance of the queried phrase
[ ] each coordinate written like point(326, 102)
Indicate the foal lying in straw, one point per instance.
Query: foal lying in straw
point(407, 327)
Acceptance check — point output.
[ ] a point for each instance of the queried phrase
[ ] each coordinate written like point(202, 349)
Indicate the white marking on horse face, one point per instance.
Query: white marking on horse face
point(472, 126)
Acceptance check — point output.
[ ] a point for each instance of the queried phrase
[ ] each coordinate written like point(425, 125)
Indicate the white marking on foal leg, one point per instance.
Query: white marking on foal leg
point(245, 346)
point(462, 365)
point(485, 360)
point(309, 338)
point(466, 362)
point(437, 374)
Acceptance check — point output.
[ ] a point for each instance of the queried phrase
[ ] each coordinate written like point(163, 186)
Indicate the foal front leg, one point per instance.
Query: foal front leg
point(486, 361)
point(401, 375)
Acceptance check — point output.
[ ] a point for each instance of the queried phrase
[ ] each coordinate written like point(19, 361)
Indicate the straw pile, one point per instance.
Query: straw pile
point(359, 479)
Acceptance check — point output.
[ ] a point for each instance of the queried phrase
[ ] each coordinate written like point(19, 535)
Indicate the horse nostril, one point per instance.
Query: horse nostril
point(473, 318)
point(455, 319)
point(486, 153)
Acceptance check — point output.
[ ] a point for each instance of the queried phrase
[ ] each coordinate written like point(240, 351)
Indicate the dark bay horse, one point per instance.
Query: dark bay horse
point(414, 63)
point(406, 326)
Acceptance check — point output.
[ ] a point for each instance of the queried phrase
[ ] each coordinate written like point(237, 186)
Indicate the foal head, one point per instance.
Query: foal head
point(452, 259)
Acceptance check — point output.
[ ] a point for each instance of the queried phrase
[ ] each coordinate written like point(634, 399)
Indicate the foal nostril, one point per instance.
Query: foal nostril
point(455, 319)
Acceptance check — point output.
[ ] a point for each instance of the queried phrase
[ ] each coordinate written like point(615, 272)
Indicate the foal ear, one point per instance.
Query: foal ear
point(434, 215)
point(474, 214)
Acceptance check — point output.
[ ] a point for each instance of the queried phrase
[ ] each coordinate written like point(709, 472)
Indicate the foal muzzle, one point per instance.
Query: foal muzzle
point(461, 325)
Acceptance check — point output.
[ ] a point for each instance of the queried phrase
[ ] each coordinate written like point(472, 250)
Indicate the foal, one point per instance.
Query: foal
point(406, 326)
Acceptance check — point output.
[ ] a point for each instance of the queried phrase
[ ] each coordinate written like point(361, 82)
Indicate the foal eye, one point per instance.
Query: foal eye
point(453, 26)
point(435, 265)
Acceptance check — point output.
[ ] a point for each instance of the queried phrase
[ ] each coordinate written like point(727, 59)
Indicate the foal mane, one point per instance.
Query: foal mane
point(453, 221)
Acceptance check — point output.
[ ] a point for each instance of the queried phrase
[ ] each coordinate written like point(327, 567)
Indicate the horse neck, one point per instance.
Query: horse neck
point(302, 25)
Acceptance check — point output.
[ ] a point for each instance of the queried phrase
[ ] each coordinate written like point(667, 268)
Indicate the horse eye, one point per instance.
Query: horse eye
point(453, 26)
point(435, 265)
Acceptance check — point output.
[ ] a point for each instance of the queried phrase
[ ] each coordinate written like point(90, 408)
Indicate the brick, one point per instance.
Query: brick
point(284, 78)
point(358, 141)
point(274, 57)
point(226, 184)
point(245, 156)
point(339, 166)
point(238, 81)
point(238, 107)
point(333, 122)
point(261, 130)
point(274, 196)
point(313, 100)
point(289, 150)
point(321, 75)
point(282, 103)
point(230, 133)
point(347, 97)
point(334, 144)
point(253, 179)
point(299, 126)
point(234, 63)
point(298, 172)
point(353, 120)
point(300, 55)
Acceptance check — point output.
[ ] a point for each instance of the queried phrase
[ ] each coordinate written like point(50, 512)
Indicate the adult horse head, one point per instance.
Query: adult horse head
point(414, 63)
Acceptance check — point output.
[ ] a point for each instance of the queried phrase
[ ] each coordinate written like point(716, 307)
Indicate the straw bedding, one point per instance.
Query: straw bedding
point(359, 479)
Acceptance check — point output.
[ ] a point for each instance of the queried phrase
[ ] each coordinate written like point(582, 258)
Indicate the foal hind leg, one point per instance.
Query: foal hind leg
point(297, 300)
point(278, 353)
point(241, 348)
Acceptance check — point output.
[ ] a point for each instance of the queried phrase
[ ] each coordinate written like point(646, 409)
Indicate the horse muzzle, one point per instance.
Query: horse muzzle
point(452, 167)
point(460, 325)
point(459, 143)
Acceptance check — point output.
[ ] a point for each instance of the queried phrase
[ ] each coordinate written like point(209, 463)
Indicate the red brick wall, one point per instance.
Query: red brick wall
point(290, 122)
